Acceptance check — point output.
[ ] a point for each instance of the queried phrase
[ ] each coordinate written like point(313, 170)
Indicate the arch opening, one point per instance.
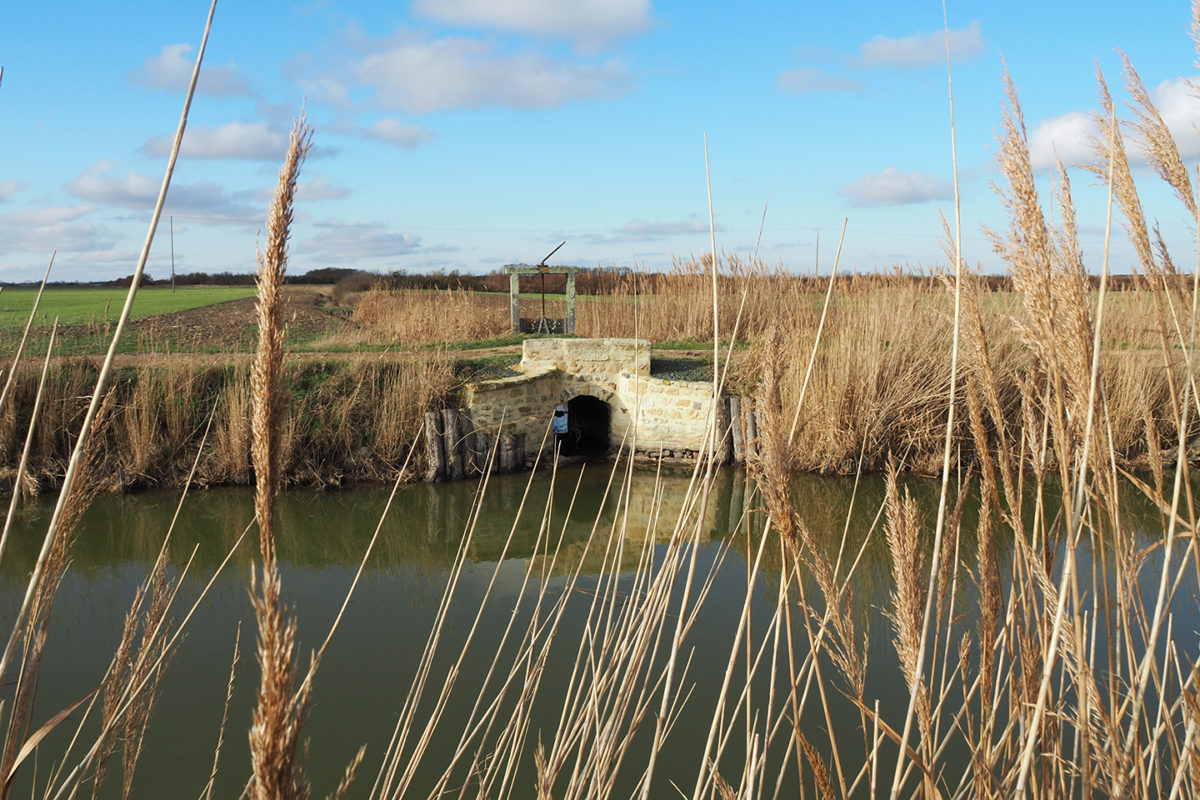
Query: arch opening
point(588, 421)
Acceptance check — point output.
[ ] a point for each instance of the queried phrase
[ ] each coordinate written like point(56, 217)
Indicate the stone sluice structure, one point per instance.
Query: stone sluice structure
point(613, 404)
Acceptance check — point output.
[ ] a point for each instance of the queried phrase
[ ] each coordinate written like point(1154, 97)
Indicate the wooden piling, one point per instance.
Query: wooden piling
point(723, 451)
point(751, 429)
point(484, 442)
point(472, 463)
point(507, 457)
point(454, 460)
point(435, 458)
point(518, 452)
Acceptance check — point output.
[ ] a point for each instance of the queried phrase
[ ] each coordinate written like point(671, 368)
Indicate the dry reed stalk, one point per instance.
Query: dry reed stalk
point(412, 317)
point(772, 473)
point(16, 360)
point(398, 767)
point(41, 593)
point(101, 382)
point(19, 477)
point(916, 679)
point(212, 775)
point(130, 688)
point(281, 707)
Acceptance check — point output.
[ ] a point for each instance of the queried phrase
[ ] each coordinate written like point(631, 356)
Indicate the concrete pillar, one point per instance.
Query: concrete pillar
point(514, 299)
point(570, 331)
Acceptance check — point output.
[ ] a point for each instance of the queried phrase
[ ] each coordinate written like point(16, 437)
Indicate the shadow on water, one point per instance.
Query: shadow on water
point(364, 680)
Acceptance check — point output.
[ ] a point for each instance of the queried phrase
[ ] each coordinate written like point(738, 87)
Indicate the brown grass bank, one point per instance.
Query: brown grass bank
point(346, 420)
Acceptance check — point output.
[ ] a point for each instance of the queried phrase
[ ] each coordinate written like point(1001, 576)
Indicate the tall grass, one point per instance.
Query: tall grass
point(1069, 681)
point(877, 384)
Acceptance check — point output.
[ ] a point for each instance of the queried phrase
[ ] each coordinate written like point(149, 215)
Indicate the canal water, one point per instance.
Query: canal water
point(367, 674)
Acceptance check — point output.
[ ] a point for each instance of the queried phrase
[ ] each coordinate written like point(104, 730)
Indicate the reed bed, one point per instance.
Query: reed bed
point(415, 317)
point(1068, 679)
point(878, 383)
point(347, 420)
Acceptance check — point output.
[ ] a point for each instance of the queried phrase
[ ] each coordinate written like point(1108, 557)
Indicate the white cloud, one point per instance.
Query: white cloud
point(805, 80)
point(638, 230)
point(422, 75)
point(346, 242)
point(1064, 138)
point(204, 202)
point(1180, 109)
point(393, 131)
point(922, 49)
point(51, 215)
point(62, 235)
point(320, 188)
point(8, 189)
point(233, 140)
point(895, 188)
point(171, 70)
point(587, 21)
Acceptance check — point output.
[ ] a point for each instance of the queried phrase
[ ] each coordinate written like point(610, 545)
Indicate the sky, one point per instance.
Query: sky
point(469, 134)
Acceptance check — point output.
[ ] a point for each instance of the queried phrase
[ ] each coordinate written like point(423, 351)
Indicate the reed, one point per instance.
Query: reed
point(350, 421)
point(1070, 680)
point(283, 704)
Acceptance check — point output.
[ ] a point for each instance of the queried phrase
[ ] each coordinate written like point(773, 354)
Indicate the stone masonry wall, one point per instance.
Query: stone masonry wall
point(665, 415)
point(670, 415)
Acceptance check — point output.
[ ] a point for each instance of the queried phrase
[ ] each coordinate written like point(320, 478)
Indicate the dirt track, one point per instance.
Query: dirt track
point(225, 333)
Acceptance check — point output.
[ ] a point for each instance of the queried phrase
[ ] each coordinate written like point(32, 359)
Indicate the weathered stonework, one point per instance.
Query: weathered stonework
point(653, 417)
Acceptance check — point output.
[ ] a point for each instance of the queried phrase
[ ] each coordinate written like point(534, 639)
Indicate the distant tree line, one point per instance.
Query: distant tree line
point(589, 280)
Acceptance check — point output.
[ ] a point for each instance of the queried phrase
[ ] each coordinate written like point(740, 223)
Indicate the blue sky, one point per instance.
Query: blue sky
point(467, 134)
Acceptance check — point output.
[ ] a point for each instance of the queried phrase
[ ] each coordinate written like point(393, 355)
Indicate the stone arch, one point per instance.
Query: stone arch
point(589, 422)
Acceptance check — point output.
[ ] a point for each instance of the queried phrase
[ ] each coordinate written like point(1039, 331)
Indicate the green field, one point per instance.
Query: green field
point(96, 305)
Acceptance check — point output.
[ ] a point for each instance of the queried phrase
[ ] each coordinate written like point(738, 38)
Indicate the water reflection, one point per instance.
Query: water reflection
point(322, 537)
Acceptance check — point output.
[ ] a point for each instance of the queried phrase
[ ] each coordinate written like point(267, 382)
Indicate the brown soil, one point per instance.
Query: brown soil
point(226, 332)
point(230, 325)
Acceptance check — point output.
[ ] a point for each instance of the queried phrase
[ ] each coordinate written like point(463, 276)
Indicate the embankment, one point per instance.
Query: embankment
point(347, 420)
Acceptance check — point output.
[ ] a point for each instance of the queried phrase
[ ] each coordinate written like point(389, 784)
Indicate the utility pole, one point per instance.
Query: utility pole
point(172, 219)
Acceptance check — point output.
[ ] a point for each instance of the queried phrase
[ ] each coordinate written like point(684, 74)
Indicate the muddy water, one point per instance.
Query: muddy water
point(367, 674)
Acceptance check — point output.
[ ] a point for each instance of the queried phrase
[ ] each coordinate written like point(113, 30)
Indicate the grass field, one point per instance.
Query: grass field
point(95, 305)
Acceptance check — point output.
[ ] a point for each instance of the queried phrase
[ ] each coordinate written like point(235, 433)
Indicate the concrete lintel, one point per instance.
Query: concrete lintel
point(522, 269)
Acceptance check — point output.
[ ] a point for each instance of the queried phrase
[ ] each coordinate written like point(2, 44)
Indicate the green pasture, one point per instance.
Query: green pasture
point(96, 305)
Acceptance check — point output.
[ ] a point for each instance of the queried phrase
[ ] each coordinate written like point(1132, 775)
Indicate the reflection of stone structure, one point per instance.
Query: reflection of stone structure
point(658, 418)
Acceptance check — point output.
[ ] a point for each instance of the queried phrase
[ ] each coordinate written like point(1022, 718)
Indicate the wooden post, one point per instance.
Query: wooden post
point(484, 443)
point(454, 450)
point(435, 464)
point(472, 460)
point(507, 446)
point(723, 450)
point(738, 436)
point(518, 452)
point(751, 429)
